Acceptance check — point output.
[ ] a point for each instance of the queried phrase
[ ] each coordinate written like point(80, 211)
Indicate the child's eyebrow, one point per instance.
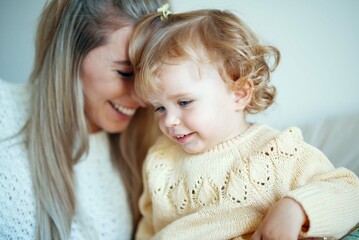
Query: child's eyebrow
point(153, 102)
point(179, 95)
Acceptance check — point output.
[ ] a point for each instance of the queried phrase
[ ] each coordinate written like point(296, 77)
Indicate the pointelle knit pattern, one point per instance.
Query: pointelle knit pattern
point(225, 192)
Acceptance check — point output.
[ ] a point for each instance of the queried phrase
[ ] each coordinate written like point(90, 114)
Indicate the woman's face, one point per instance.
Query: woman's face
point(107, 76)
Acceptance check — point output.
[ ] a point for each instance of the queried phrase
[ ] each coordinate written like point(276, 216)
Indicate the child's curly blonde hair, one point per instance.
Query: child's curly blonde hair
point(214, 36)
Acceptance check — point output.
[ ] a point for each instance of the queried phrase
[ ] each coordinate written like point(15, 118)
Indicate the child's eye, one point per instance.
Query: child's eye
point(125, 74)
point(184, 103)
point(160, 109)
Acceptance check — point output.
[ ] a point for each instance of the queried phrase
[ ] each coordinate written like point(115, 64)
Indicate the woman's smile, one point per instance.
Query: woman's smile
point(128, 111)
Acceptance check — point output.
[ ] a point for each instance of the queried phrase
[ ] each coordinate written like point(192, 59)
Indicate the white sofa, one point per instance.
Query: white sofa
point(338, 138)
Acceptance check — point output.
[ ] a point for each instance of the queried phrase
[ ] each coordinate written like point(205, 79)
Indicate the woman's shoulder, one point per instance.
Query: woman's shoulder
point(16, 201)
point(14, 101)
point(7, 86)
point(11, 93)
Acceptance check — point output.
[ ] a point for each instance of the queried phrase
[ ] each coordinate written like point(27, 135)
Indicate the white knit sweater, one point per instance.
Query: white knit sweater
point(226, 192)
point(102, 208)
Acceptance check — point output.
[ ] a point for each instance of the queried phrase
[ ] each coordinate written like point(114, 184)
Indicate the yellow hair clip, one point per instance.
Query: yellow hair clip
point(165, 11)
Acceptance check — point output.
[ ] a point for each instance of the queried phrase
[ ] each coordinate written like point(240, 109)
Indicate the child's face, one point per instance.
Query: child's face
point(195, 107)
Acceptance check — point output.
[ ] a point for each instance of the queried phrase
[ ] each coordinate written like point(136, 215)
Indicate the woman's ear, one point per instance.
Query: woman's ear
point(243, 95)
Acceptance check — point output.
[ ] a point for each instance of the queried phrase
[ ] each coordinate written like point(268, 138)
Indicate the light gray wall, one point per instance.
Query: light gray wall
point(319, 40)
point(18, 19)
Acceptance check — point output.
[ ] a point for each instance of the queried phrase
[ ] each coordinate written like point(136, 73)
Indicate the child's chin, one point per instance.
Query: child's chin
point(192, 151)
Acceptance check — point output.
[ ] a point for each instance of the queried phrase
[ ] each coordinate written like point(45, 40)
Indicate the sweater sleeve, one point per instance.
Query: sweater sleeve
point(329, 196)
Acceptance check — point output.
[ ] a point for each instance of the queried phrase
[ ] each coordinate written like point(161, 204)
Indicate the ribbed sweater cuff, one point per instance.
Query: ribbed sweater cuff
point(322, 216)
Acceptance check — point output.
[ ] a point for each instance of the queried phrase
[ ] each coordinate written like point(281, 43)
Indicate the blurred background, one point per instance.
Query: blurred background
point(317, 78)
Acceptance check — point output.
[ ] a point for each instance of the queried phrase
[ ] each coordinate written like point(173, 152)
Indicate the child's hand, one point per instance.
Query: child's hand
point(284, 220)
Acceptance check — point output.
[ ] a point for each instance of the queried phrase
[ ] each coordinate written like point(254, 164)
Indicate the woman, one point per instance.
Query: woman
point(72, 142)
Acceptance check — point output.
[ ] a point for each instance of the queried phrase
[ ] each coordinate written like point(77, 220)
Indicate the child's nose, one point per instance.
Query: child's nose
point(172, 119)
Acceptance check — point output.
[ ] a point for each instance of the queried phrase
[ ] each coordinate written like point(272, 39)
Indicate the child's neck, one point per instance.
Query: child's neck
point(240, 130)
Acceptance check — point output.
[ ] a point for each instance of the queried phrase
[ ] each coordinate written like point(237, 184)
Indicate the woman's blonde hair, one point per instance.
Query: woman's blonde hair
point(56, 132)
point(214, 36)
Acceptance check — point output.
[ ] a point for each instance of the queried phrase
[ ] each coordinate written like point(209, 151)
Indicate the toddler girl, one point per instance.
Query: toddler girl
point(213, 174)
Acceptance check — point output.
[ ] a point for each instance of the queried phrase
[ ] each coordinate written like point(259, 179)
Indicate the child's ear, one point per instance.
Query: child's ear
point(243, 95)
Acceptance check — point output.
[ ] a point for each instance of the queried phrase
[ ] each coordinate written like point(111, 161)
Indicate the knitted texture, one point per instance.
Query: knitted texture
point(102, 209)
point(225, 193)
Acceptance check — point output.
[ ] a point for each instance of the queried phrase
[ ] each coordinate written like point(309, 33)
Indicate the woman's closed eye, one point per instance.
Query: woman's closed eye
point(125, 74)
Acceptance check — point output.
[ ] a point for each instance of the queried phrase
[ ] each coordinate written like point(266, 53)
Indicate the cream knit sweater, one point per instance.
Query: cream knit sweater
point(225, 193)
